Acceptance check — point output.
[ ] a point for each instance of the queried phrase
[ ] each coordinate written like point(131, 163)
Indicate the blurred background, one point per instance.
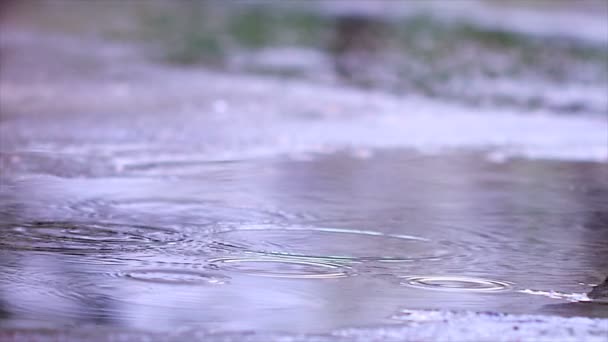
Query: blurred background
point(526, 55)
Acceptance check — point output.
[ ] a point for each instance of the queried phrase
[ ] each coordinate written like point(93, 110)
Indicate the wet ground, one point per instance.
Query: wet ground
point(330, 242)
point(153, 201)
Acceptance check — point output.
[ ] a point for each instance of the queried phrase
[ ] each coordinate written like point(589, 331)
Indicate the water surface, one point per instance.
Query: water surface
point(308, 245)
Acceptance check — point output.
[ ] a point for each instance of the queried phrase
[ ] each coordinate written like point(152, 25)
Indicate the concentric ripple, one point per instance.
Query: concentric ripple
point(328, 243)
point(282, 268)
point(82, 236)
point(173, 276)
point(446, 283)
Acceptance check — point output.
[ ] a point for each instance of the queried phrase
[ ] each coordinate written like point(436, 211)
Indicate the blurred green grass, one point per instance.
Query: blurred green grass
point(199, 32)
point(417, 53)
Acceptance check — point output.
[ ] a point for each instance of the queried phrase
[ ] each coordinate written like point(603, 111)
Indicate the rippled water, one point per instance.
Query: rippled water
point(330, 241)
point(455, 284)
point(141, 197)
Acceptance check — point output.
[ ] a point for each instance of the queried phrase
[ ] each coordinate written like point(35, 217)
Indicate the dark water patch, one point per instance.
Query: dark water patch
point(454, 283)
point(329, 243)
point(282, 267)
point(83, 236)
point(43, 286)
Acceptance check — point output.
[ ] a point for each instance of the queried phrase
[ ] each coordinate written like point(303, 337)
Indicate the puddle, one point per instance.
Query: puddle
point(334, 236)
point(329, 243)
point(282, 268)
point(446, 283)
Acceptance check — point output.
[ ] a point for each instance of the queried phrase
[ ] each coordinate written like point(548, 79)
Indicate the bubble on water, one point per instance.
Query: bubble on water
point(174, 276)
point(83, 236)
point(282, 268)
point(331, 244)
point(455, 283)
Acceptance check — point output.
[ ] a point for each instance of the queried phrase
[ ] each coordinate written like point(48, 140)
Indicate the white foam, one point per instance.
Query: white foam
point(571, 297)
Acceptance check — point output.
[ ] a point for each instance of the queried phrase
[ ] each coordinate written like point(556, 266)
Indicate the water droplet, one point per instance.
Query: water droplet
point(328, 243)
point(80, 236)
point(282, 268)
point(448, 283)
point(172, 276)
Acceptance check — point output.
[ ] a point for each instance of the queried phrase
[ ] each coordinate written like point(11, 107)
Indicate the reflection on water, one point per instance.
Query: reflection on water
point(328, 242)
